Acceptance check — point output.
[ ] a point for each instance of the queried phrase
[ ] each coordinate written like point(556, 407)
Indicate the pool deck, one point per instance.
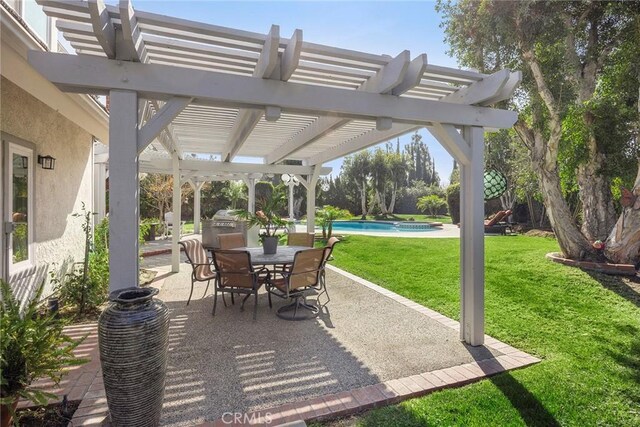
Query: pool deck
point(162, 246)
point(444, 231)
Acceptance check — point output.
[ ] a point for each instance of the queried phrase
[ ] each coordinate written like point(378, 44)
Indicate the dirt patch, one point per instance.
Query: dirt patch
point(57, 415)
point(540, 233)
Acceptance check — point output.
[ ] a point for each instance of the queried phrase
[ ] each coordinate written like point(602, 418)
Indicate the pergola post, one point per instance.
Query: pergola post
point(197, 186)
point(472, 239)
point(177, 217)
point(99, 191)
point(291, 216)
point(124, 190)
point(311, 200)
point(252, 233)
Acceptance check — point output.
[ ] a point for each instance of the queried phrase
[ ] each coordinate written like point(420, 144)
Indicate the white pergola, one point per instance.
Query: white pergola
point(180, 88)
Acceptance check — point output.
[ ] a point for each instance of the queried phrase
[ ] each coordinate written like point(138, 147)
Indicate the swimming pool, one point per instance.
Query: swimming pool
point(382, 226)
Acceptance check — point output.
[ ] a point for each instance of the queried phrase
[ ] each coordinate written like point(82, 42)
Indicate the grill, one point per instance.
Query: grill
point(223, 222)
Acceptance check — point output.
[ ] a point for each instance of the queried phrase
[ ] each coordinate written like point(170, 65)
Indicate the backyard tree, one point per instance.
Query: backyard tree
point(432, 204)
point(326, 216)
point(235, 192)
point(563, 50)
point(157, 191)
point(421, 166)
point(357, 171)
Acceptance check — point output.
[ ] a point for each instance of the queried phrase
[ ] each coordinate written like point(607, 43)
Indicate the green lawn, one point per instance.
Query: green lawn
point(586, 328)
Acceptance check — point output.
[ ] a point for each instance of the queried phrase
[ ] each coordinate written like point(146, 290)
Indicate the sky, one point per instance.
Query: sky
point(381, 27)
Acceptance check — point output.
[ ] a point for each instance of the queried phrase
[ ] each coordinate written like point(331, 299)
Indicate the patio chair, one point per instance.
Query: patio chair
point(200, 264)
point(496, 223)
point(298, 281)
point(301, 239)
point(168, 223)
point(236, 275)
point(231, 241)
point(328, 251)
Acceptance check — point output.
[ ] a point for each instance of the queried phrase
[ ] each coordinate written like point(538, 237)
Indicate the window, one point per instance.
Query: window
point(19, 203)
point(36, 18)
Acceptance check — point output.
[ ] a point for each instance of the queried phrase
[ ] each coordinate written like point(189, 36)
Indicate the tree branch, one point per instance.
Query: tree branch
point(547, 98)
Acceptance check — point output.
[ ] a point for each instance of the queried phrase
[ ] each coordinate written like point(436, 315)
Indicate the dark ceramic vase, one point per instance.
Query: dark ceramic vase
point(270, 244)
point(133, 335)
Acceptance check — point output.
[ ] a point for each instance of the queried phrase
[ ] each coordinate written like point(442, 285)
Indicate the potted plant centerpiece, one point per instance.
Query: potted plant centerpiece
point(268, 218)
point(33, 345)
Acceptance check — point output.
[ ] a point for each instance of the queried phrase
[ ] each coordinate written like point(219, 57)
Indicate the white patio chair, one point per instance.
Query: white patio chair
point(168, 223)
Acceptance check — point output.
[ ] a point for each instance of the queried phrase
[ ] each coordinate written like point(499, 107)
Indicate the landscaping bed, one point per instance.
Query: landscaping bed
point(56, 415)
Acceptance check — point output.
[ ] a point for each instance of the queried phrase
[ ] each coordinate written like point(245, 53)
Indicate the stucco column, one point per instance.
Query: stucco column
point(472, 239)
point(177, 215)
point(123, 190)
point(99, 191)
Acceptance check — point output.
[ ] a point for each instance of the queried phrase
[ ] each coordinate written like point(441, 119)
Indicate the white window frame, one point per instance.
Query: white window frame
point(20, 149)
point(52, 35)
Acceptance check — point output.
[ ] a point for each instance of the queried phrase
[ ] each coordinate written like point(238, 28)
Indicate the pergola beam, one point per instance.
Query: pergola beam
point(291, 56)
point(103, 27)
point(83, 74)
point(131, 46)
point(390, 76)
point(480, 91)
point(507, 90)
point(160, 121)
point(452, 141)
point(361, 142)
point(203, 167)
point(412, 76)
point(246, 120)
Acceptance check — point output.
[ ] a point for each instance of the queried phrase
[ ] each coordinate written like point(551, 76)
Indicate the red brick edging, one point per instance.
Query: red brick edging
point(601, 267)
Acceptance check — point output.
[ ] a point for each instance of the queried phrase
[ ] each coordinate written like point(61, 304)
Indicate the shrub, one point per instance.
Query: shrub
point(32, 346)
point(326, 216)
point(453, 202)
point(432, 204)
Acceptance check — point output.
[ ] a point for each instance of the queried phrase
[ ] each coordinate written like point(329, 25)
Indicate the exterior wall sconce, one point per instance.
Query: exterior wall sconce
point(47, 162)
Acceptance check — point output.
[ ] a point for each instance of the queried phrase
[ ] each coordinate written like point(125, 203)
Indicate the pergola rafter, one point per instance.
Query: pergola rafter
point(221, 93)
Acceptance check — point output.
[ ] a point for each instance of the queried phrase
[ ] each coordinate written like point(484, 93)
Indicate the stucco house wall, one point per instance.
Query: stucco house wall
point(58, 236)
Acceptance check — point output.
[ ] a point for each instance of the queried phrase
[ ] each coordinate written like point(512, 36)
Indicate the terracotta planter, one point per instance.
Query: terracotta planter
point(133, 335)
point(6, 419)
point(270, 244)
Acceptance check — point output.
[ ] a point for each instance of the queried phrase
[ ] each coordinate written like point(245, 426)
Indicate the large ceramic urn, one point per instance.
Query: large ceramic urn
point(133, 334)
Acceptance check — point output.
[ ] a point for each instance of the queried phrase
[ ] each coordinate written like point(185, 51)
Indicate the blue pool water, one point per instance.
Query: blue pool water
point(381, 226)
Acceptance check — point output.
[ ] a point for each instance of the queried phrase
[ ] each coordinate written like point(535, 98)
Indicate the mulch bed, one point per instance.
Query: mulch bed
point(56, 415)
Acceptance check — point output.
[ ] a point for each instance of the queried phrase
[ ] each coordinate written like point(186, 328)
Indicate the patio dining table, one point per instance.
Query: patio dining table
point(283, 255)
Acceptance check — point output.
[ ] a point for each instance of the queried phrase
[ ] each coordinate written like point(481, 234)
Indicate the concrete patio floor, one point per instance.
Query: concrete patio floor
point(366, 336)
point(369, 348)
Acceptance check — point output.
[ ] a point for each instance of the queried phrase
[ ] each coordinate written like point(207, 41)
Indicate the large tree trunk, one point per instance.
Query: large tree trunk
point(544, 160)
point(623, 244)
point(595, 194)
point(392, 204)
point(572, 243)
point(544, 156)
